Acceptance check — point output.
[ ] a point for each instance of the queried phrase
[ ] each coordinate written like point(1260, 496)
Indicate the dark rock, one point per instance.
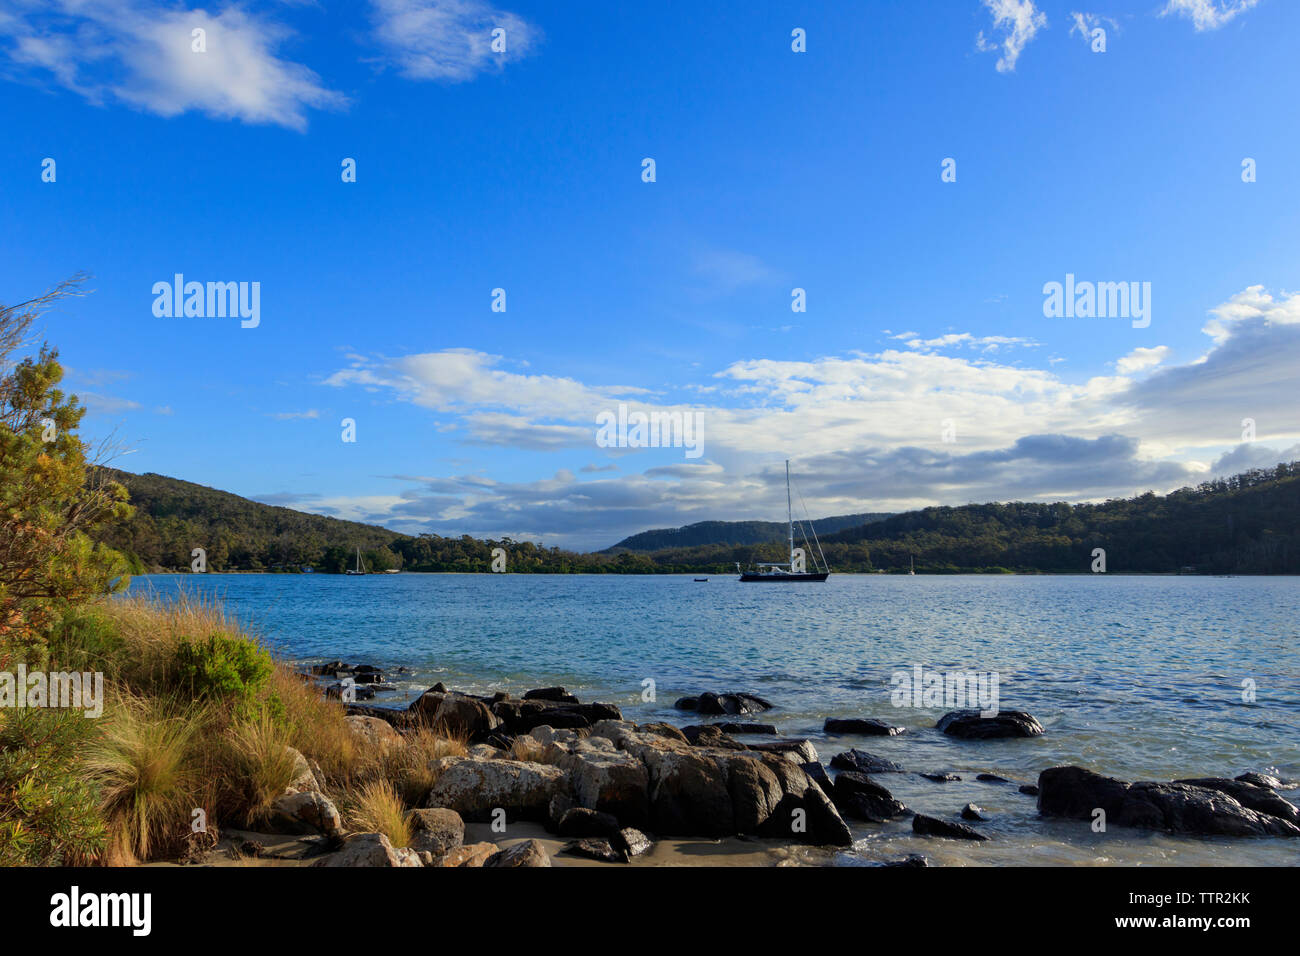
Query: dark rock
point(819, 775)
point(1075, 793)
point(557, 694)
point(858, 796)
point(801, 749)
point(455, 714)
point(730, 728)
point(991, 778)
point(521, 716)
point(728, 704)
point(560, 804)
point(1252, 796)
point(863, 762)
point(328, 670)
point(1029, 789)
point(940, 777)
point(969, 725)
point(861, 726)
point(601, 850)
point(582, 822)
point(911, 860)
point(972, 812)
point(1267, 780)
point(932, 826)
point(708, 735)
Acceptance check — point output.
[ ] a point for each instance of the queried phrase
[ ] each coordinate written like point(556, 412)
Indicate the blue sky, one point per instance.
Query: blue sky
point(775, 170)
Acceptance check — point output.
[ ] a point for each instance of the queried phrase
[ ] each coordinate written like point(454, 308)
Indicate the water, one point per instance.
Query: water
point(1139, 677)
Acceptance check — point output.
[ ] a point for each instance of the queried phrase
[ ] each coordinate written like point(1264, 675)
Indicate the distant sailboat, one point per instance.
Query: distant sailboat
point(911, 564)
point(358, 568)
point(778, 573)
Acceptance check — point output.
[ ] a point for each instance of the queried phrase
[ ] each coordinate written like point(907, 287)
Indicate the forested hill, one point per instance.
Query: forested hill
point(732, 532)
point(1246, 524)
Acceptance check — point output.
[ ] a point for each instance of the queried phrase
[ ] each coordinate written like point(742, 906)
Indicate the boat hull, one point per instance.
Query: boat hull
point(785, 578)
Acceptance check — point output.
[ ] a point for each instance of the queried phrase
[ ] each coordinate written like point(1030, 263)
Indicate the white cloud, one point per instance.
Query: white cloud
point(448, 40)
point(1085, 23)
point(1142, 358)
point(139, 52)
point(1019, 21)
point(1207, 14)
point(1252, 303)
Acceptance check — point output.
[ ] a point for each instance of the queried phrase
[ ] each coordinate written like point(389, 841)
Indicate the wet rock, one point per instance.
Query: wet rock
point(940, 777)
point(800, 751)
point(595, 849)
point(972, 812)
point(527, 853)
point(370, 849)
point(1029, 789)
point(858, 796)
point(521, 716)
point(557, 694)
point(457, 715)
point(863, 762)
point(728, 727)
point(1267, 780)
point(969, 725)
point(914, 860)
point(991, 778)
point(474, 788)
point(724, 704)
point(1075, 793)
point(819, 775)
point(932, 826)
point(1250, 795)
point(437, 831)
point(860, 726)
point(328, 670)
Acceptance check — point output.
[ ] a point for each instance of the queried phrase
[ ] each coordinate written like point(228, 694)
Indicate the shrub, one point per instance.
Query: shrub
point(229, 669)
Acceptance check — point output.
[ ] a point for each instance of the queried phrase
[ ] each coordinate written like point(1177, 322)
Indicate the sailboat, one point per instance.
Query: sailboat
point(358, 569)
point(787, 573)
point(911, 564)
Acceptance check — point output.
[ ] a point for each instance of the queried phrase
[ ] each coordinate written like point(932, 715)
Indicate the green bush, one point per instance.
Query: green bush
point(228, 669)
point(49, 811)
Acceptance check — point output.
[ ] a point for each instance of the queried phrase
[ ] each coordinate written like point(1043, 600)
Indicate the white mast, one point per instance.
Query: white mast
point(789, 511)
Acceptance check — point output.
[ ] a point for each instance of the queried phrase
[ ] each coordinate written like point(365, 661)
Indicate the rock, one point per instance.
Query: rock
point(972, 812)
point(521, 716)
point(727, 727)
point(931, 826)
point(601, 850)
point(303, 779)
point(457, 715)
point(819, 776)
point(1251, 796)
point(305, 812)
point(663, 730)
point(860, 726)
point(915, 860)
point(799, 751)
point(969, 725)
point(583, 822)
point(368, 675)
point(940, 777)
point(991, 778)
point(472, 854)
point(373, 732)
point(858, 796)
point(1267, 780)
point(556, 694)
point(484, 751)
point(863, 762)
point(437, 831)
point(1029, 789)
point(370, 849)
point(524, 853)
point(720, 704)
point(328, 670)
point(474, 788)
point(631, 842)
point(560, 804)
point(710, 735)
point(612, 781)
point(1075, 793)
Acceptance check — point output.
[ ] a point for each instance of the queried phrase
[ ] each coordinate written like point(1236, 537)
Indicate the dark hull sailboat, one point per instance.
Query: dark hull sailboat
point(792, 572)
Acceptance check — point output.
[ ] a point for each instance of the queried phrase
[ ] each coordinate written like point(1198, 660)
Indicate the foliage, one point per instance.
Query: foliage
point(228, 669)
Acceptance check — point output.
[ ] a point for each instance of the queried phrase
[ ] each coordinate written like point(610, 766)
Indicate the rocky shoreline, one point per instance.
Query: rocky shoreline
point(611, 788)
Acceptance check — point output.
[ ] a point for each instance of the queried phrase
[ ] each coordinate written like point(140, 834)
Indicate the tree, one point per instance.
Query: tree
point(49, 507)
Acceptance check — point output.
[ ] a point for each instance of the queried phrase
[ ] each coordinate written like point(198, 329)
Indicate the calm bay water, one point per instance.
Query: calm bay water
point(1139, 677)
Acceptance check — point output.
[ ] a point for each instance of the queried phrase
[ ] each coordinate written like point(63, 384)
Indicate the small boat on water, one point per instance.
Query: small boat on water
point(358, 568)
point(700, 580)
point(794, 570)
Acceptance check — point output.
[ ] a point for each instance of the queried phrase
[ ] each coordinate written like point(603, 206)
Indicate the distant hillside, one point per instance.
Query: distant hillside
point(704, 533)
